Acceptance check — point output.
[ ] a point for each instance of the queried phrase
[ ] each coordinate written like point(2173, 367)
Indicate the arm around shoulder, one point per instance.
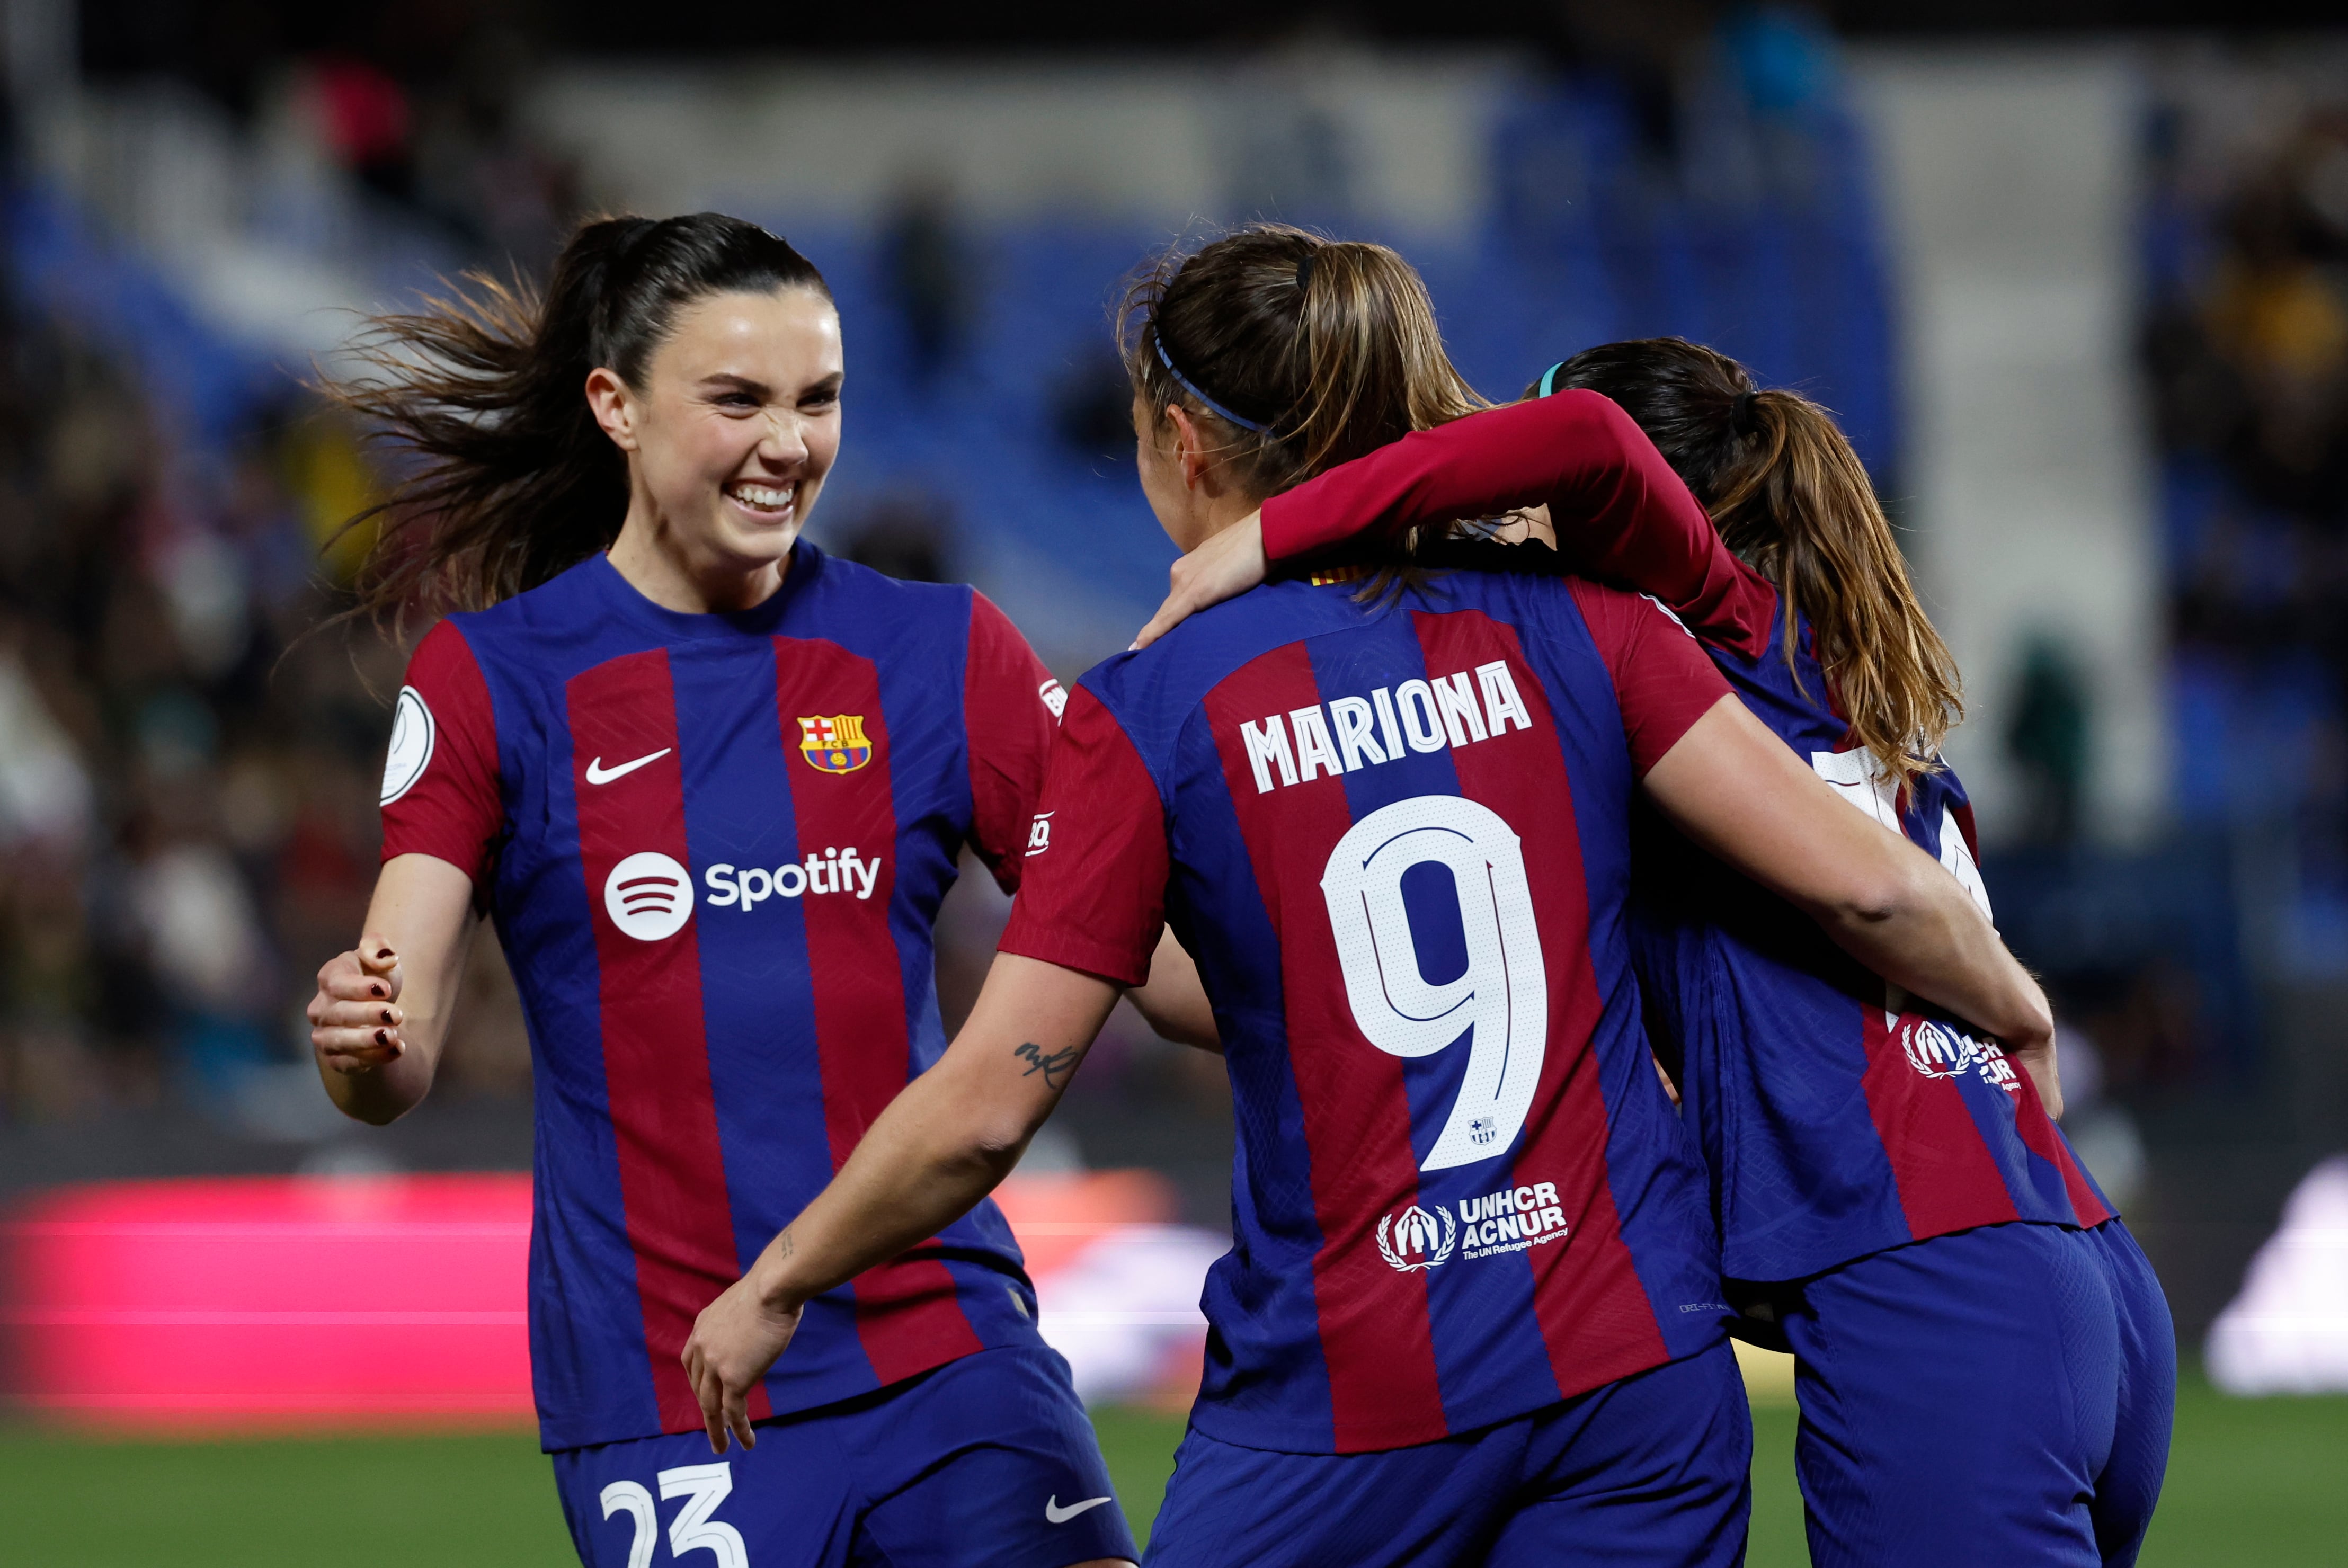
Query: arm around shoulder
point(1736, 790)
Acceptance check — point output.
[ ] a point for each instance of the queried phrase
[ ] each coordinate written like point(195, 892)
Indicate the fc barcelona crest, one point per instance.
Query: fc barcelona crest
point(835, 745)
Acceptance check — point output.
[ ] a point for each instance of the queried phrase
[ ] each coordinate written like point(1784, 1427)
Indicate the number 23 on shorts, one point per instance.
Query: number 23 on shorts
point(703, 1487)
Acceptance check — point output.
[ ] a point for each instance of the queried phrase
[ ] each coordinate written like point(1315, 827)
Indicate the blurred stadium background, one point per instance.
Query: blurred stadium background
point(2074, 275)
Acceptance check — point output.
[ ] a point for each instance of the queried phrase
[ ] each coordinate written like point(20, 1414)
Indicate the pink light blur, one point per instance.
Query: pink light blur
point(274, 1301)
point(339, 1302)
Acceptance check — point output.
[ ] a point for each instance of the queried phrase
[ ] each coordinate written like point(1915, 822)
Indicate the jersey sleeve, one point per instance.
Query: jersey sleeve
point(1093, 897)
point(440, 794)
point(1011, 711)
point(1664, 681)
point(1620, 512)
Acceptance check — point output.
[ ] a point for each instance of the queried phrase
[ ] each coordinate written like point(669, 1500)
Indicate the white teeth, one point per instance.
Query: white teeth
point(762, 495)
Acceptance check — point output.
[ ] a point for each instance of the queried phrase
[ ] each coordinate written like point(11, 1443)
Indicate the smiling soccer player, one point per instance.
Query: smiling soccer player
point(712, 784)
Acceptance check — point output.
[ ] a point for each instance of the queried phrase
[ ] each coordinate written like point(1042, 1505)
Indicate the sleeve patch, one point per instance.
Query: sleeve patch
point(413, 735)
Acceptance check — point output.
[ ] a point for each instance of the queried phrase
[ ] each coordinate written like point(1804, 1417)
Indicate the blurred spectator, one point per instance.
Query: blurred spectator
point(926, 266)
point(902, 534)
point(363, 117)
point(1092, 413)
point(187, 798)
point(2047, 738)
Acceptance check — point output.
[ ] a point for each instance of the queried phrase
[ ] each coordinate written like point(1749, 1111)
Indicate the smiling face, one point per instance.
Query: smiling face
point(730, 435)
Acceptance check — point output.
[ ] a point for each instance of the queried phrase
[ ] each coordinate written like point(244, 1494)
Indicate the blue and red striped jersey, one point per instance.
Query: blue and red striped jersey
point(1396, 839)
point(1839, 1116)
point(715, 847)
point(1837, 1120)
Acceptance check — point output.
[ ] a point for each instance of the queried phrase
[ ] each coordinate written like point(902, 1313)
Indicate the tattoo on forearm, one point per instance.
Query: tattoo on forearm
point(1054, 1068)
point(783, 1245)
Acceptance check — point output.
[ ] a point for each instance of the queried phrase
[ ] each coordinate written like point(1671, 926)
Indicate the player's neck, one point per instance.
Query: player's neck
point(1219, 511)
point(658, 561)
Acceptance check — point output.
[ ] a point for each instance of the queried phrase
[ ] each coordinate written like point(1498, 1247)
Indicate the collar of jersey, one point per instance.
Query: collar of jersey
point(673, 626)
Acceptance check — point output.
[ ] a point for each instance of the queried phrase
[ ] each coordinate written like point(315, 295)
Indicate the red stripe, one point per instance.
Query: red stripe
point(656, 1053)
point(451, 810)
point(1376, 1334)
point(908, 1316)
point(2037, 1130)
point(1946, 1176)
point(1593, 1311)
point(1964, 816)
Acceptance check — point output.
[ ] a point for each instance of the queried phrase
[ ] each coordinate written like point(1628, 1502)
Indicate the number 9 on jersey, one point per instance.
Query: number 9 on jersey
point(1499, 1001)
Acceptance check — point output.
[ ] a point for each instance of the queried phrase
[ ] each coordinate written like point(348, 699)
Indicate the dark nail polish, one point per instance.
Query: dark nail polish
point(375, 990)
point(387, 1014)
point(383, 1037)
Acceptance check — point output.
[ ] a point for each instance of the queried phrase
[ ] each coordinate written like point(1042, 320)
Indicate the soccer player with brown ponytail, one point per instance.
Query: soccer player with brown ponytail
point(1986, 1366)
point(1471, 1313)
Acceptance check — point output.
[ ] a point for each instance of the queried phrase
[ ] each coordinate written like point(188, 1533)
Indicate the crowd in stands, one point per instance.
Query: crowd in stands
point(188, 741)
point(187, 760)
point(2246, 346)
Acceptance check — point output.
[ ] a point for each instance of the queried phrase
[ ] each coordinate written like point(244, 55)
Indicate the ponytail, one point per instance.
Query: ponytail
point(512, 481)
point(1301, 352)
point(1790, 497)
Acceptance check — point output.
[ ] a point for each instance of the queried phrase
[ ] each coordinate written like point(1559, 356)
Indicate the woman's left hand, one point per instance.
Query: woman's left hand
point(734, 1341)
point(1224, 567)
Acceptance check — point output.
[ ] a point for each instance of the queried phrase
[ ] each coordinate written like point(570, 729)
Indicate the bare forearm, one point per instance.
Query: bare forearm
point(1174, 1003)
point(1933, 942)
point(915, 1172)
point(951, 1137)
point(1886, 901)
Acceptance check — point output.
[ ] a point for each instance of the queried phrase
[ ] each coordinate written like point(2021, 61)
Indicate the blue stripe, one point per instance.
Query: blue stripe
point(590, 1368)
point(1268, 1313)
point(757, 1000)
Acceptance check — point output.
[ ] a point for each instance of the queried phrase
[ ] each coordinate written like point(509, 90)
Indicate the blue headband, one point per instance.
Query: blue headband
point(1549, 379)
point(1191, 388)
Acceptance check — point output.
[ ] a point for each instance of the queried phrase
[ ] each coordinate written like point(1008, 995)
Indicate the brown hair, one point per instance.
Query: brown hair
point(486, 386)
point(1299, 353)
point(1790, 497)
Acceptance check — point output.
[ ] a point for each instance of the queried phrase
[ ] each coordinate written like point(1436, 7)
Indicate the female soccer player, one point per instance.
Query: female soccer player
point(711, 784)
point(1471, 1310)
point(1985, 1360)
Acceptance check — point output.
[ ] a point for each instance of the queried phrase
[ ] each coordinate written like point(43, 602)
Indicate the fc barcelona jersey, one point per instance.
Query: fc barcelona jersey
point(715, 847)
point(1840, 1117)
point(1395, 838)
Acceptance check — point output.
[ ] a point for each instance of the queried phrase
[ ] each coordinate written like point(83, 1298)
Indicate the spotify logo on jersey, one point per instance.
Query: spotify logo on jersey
point(648, 896)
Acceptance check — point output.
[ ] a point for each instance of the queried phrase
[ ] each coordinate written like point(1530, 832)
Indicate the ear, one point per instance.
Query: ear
point(614, 407)
point(1191, 448)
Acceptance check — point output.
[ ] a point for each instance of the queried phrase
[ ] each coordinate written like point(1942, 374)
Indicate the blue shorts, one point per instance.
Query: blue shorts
point(988, 1460)
point(1650, 1472)
point(1996, 1396)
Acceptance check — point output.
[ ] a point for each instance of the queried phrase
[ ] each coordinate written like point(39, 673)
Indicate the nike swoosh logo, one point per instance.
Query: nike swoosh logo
point(1058, 1515)
point(599, 774)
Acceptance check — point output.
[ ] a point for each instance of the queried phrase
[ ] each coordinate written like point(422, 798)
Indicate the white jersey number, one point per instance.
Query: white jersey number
point(1500, 1001)
point(704, 1486)
point(1858, 779)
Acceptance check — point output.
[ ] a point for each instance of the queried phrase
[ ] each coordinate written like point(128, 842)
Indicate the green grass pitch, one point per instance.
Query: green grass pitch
point(2251, 1482)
